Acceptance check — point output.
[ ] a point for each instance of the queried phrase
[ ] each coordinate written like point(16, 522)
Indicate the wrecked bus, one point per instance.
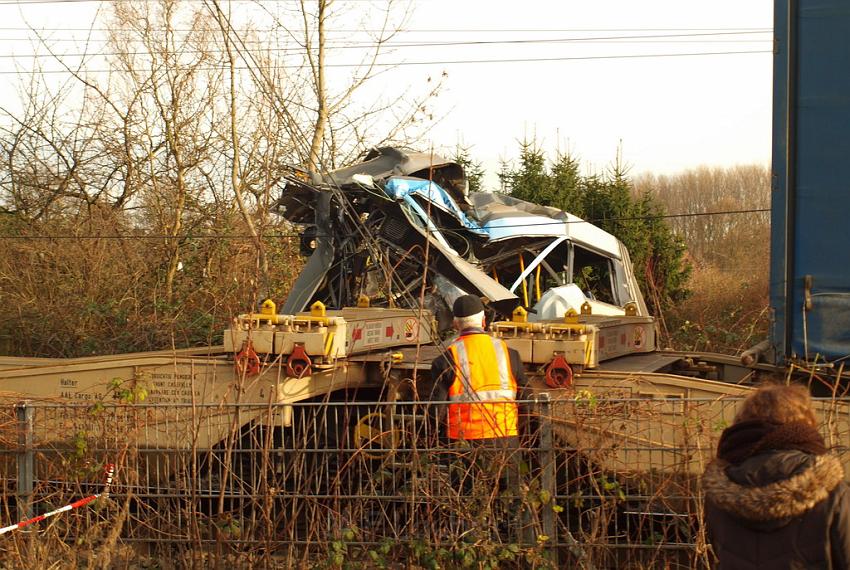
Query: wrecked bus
point(401, 225)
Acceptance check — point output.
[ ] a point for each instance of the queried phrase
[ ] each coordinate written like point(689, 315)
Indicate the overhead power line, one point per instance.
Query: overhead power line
point(346, 44)
point(25, 2)
point(413, 30)
point(441, 62)
point(276, 235)
point(398, 45)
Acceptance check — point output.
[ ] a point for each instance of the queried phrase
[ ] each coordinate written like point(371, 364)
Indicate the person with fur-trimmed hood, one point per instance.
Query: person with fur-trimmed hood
point(774, 497)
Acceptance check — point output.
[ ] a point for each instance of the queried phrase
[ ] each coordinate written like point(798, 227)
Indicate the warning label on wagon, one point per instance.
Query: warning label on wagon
point(373, 333)
point(411, 329)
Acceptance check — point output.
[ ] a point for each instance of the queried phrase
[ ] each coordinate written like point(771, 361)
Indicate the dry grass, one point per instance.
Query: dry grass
point(727, 312)
point(93, 284)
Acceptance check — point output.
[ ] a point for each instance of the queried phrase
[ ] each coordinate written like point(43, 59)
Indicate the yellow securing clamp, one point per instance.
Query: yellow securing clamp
point(519, 315)
point(318, 315)
point(631, 309)
point(268, 307)
point(571, 317)
point(586, 309)
point(397, 356)
point(363, 302)
point(317, 309)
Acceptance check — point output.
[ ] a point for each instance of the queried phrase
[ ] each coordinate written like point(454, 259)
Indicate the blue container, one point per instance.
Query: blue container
point(810, 230)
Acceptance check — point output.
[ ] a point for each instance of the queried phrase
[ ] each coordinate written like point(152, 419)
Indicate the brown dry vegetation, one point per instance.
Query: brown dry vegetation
point(136, 205)
point(92, 280)
point(727, 310)
point(74, 288)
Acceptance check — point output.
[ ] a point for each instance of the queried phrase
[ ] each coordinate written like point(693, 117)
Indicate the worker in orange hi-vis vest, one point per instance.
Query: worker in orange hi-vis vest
point(479, 376)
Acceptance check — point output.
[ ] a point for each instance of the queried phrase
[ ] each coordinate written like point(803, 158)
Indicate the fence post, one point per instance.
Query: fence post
point(26, 459)
point(548, 481)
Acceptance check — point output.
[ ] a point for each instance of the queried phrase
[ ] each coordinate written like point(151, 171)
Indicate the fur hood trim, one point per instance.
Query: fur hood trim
point(782, 499)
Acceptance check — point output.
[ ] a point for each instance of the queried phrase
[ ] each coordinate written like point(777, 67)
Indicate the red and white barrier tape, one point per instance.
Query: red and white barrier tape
point(110, 470)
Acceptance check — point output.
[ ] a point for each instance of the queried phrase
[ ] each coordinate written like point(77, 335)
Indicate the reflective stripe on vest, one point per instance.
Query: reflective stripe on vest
point(483, 391)
point(484, 396)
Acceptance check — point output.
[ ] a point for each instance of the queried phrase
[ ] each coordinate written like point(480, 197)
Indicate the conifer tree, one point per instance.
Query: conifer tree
point(610, 202)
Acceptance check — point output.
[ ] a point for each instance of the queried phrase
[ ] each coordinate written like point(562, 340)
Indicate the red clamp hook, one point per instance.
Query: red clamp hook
point(558, 373)
point(299, 364)
point(247, 362)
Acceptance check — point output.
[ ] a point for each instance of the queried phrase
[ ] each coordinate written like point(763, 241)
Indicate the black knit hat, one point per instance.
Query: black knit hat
point(467, 305)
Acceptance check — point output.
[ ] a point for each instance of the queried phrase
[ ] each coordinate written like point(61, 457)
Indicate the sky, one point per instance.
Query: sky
point(569, 74)
point(668, 113)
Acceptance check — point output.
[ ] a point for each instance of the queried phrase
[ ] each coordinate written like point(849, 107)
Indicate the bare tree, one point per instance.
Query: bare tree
point(732, 239)
point(172, 159)
point(335, 123)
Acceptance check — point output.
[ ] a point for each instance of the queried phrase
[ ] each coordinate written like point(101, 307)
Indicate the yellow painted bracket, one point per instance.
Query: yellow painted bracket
point(268, 308)
point(519, 315)
point(268, 312)
point(329, 340)
point(317, 309)
point(318, 315)
point(518, 322)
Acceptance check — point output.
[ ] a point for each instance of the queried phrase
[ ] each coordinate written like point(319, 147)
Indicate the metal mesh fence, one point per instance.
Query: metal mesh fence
point(589, 482)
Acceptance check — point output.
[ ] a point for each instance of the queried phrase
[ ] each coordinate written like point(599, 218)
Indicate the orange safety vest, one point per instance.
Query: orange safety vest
point(483, 394)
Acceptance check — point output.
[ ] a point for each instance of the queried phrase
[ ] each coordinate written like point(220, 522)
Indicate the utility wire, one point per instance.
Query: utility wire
point(296, 235)
point(442, 43)
point(397, 45)
point(25, 2)
point(444, 62)
point(346, 44)
point(412, 30)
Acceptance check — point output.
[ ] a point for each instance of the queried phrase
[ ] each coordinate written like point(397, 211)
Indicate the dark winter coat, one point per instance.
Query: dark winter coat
point(778, 509)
